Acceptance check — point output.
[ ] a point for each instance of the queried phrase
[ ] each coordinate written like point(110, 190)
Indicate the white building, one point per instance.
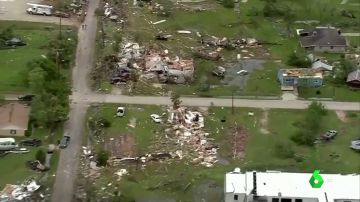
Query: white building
point(275, 186)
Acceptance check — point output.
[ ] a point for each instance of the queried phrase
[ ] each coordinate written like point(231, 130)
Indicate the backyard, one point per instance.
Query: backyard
point(14, 168)
point(183, 180)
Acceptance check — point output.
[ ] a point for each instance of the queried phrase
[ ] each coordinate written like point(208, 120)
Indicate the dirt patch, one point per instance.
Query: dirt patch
point(342, 116)
point(121, 146)
point(264, 122)
point(239, 139)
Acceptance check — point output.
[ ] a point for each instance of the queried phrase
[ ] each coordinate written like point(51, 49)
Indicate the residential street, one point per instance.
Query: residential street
point(226, 102)
point(68, 163)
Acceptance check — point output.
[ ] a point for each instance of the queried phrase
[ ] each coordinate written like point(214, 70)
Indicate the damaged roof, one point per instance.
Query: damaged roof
point(354, 76)
point(301, 73)
point(322, 36)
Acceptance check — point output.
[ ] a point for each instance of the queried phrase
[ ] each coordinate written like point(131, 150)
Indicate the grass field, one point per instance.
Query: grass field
point(180, 180)
point(14, 61)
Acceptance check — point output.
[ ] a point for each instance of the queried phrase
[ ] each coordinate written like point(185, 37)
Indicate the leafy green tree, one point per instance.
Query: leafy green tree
point(284, 150)
point(308, 128)
point(228, 3)
point(40, 156)
point(298, 60)
point(7, 33)
point(102, 157)
point(175, 99)
point(37, 80)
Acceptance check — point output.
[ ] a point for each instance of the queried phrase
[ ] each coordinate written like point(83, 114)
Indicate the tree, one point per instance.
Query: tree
point(272, 9)
point(102, 157)
point(228, 3)
point(37, 80)
point(309, 126)
point(40, 156)
point(175, 99)
point(298, 60)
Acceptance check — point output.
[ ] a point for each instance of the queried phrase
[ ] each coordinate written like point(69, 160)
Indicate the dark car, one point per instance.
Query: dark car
point(26, 97)
point(15, 42)
point(64, 142)
point(61, 14)
point(31, 142)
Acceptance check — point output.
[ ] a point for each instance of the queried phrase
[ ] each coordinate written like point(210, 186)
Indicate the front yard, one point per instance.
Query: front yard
point(14, 60)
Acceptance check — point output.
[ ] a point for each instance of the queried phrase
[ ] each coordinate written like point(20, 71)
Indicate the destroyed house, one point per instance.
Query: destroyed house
point(353, 79)
point(302, 77)
point(171, 70)
point(275, 186)
point(323, 39)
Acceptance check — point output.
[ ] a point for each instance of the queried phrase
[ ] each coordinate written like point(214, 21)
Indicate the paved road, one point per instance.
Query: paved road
point(194, 101)
point(15, 10)
point(68, 163)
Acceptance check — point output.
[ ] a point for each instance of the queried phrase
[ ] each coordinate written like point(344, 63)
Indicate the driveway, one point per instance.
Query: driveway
point(16, 10)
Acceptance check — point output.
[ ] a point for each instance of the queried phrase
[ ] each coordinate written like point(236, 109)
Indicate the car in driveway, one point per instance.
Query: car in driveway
point(31, 142)
point(65, 141)
point(28, 97)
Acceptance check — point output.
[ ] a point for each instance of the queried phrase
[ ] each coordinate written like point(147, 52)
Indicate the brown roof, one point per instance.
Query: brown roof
point(322, 36)
point(14, 116)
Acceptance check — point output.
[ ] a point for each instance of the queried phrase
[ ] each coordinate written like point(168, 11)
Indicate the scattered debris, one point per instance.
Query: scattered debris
point(158, 22)
point(19, 192)
point(183, 32)
point(163, 36)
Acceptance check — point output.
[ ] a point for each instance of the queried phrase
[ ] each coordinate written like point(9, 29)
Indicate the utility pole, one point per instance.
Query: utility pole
point(232, 102)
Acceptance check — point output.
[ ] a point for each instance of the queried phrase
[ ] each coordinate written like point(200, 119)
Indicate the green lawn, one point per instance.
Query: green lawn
point(14, 61)
point(169, 179)
point(342, 93)
point(13, 166)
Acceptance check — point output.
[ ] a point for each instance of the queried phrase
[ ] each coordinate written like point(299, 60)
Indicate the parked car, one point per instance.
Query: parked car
point(329, 135)
point(65, 141)
point(219, 72)
point(31, 142)
point(242, 72)
point(61, 14)
point(15, 42)
point(120, 112)
point(26, 97)
point(355, 144)
point(156, 118)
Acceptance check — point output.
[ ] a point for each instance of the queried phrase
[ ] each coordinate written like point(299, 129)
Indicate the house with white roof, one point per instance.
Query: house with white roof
point(275, 186)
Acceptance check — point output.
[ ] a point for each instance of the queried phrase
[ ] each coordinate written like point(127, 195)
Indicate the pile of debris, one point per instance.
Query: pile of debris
point(213, 41)
point(152, 65)
point(113, 15)
point(189, 135)
point(19, 192)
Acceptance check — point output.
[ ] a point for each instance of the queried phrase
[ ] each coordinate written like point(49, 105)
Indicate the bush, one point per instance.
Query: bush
point(103, 122)
point(298, 60)
point(284, 150)
point(228, 3)
point(40, 156)
point(102, 157)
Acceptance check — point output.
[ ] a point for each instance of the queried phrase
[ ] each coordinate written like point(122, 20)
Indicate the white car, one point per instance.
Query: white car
point(242, 72)
point(156, 118)
point(120, 112)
